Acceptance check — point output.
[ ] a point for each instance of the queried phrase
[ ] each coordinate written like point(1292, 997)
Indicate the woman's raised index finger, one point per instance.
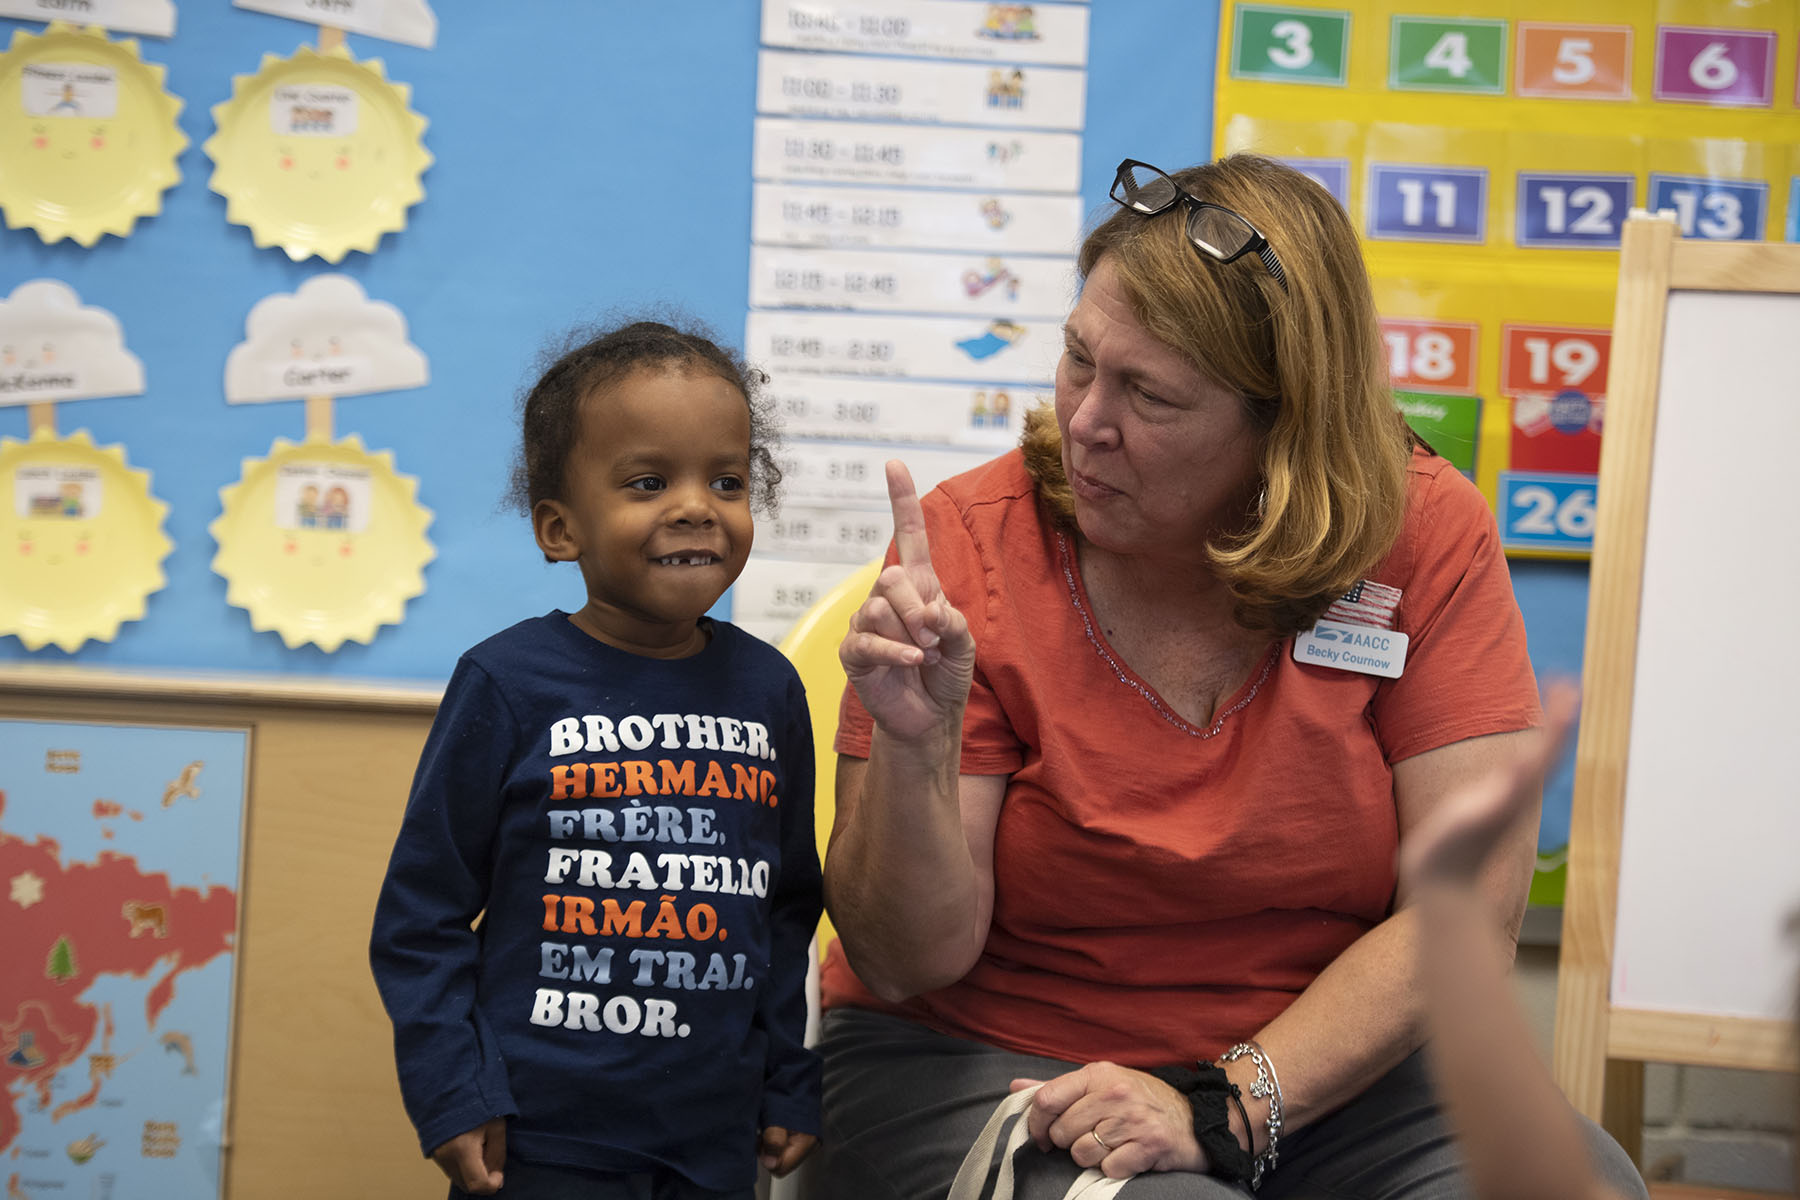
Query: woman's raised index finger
point(909, 516)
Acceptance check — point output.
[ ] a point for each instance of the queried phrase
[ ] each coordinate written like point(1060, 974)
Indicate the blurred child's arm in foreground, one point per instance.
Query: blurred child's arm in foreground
point(1516, 1129)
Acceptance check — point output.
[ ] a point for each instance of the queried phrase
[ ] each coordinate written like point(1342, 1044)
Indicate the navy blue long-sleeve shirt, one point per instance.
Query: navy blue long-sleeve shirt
point(637, 836)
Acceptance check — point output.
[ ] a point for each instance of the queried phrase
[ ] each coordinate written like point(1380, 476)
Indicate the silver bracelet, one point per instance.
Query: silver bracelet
point(1267, 1087)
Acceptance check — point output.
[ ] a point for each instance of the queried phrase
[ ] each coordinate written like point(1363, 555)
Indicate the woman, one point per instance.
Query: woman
point(1100, 811)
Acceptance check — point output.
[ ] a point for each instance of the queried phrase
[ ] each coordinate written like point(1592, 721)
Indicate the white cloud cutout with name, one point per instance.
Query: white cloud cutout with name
point(326, 339)
point(52, 347)
point(154, 17)
point(408, 21)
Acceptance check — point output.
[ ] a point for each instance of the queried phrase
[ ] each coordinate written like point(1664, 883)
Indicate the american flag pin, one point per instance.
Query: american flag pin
point(1368, 603)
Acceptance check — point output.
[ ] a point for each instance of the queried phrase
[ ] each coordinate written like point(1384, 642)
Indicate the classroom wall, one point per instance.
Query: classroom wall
point(589, 158)
point(544, 209)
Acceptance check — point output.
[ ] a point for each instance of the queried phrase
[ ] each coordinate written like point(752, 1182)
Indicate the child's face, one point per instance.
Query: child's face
point(657, 502)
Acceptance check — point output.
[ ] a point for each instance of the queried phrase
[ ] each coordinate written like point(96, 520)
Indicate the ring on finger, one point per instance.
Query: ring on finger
point(1095, 1134)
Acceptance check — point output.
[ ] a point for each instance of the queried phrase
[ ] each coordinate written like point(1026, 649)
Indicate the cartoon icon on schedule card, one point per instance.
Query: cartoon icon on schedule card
point(987, 412)
point(335, 513)
point(68, 105)
point(1006, 91)
point(999, 335)
point(995, 214)
point(1010, 22)
point(1005, 152)
point(71, 505)
point(993, 274)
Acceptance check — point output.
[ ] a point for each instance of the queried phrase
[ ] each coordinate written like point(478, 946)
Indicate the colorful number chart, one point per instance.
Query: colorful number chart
point(1489, 154)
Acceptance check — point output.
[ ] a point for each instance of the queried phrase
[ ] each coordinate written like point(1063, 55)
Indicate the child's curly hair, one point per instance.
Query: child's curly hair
point(589, 360)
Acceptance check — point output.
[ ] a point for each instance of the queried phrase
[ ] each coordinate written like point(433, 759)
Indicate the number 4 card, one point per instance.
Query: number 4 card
point(1433, 54)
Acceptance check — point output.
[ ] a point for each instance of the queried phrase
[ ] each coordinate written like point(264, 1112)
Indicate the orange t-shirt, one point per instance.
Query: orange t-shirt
point(1162, 891)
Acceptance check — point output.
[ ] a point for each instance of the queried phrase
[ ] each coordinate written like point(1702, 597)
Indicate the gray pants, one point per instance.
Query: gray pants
point(528, 1181)
point(903, 1105)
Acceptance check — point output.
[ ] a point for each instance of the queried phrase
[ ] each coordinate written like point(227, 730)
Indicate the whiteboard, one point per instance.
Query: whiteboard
point(1686, 819)
point(1709, 864)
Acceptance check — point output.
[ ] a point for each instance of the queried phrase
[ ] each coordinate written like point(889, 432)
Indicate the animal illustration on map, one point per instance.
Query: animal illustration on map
point(82, 1149)
point(180, 1043)
point(147, 918)
point(183, 784)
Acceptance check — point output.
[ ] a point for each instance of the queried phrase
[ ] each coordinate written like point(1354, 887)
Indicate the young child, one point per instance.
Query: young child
point(623, 795)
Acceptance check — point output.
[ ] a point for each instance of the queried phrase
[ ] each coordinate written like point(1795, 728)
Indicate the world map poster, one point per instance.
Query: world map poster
point(119, 863)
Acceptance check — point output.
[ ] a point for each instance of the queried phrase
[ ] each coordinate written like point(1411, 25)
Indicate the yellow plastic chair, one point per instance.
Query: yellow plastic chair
point(812, 646)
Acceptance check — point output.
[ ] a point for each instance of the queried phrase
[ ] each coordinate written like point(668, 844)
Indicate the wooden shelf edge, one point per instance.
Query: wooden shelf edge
point(276, 691)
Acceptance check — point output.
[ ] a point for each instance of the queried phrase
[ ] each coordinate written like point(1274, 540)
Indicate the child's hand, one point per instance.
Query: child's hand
point(473, 1160)
point(1453, 845)
point(781, 1151)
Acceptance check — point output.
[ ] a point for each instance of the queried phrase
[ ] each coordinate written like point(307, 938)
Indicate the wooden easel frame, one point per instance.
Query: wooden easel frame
point(1590, 1031)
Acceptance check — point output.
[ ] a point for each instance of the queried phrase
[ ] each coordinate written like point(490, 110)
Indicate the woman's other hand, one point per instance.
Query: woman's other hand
point(1142, 1123)
point(908, 652)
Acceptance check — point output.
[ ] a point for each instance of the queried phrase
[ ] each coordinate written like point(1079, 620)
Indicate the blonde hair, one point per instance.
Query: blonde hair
point(1308, 362)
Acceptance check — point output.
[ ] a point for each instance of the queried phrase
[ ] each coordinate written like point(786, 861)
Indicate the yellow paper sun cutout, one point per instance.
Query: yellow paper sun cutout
point(88, 135)
point(318, 154)
point(322, 542)
point(81, 540)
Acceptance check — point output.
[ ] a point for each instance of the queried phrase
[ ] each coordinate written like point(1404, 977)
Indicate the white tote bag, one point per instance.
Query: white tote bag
point(1089, 1185)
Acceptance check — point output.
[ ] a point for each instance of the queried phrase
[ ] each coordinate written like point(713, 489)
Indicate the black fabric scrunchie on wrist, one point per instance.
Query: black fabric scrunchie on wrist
point(1208, 1092)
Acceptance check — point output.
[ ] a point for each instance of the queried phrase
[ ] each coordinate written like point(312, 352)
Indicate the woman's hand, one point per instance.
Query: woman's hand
point(908, 652)
point(1142, 1123)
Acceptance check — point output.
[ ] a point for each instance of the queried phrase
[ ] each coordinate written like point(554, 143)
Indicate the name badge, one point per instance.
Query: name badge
point(1344, 647)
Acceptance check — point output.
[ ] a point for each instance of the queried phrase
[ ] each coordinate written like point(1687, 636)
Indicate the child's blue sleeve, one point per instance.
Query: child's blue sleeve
point(425, 956)
point(792, 1081)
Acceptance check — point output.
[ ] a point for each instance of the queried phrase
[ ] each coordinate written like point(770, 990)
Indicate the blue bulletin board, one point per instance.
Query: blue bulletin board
point(589, 159)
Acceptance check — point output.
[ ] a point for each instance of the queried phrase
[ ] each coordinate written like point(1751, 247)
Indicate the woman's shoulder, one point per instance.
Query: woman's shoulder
point(993, 505)
point(1443, 506)
point(997, 483)
point(1449, 531)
